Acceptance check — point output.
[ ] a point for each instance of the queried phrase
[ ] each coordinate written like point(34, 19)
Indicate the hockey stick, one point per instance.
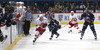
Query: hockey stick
point(18, 18)
point(64, 25)
point(2, 25)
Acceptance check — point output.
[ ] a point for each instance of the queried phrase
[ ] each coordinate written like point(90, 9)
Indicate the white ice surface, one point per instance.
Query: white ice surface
point(66, 41)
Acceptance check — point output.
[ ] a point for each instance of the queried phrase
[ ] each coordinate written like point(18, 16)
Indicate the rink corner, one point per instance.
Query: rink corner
point(15, 42)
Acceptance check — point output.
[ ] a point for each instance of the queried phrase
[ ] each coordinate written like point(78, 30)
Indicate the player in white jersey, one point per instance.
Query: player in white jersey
point(20, 10)
point(41, 24)
point(18, 7)
point(73, 22)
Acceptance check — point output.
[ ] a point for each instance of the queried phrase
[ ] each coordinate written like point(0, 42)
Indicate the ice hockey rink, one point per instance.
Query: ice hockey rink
point(66, 41)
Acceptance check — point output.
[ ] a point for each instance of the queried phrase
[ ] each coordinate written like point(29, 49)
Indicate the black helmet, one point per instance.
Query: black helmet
point(11, 9)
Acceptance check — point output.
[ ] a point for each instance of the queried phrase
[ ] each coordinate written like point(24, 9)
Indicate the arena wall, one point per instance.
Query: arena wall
point(65, 17)
point(14, 37)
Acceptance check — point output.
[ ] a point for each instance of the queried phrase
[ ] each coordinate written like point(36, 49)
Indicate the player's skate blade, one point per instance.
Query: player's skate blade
point(1, 39)
point(57, 36)
point(4, 38)
point(50, 38)
point(69, 31)
point(95, 38)
point(34, 41)
point(81, 38)
point(80, 32)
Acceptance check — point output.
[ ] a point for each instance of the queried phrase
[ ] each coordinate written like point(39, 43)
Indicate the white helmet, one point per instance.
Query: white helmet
point(24, 7)
point(17, 3)
point(40, 15)
point(21, 2)
point(72, 12)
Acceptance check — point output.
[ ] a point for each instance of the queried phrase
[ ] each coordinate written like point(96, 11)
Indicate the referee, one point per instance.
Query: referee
point(27, 21)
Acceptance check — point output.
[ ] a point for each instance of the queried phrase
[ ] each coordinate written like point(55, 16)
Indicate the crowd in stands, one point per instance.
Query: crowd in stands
point(68, 6)
point(63, 6)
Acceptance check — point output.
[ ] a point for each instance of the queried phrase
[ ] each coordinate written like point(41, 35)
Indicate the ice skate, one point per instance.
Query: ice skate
point(50, 38)
point(95, 38)
point(81, 38)
point(3, 39)
point(69, 31)
point(80, 31)
point(57, 36)
point(34, 41)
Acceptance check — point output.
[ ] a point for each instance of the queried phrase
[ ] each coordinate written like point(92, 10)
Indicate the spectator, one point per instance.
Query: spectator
point(66, 9)
point(56, 9)
point(38, 11)
point(82, 6)
point(87, 4)
point(61, 9)
point(97, 5)
point(34, 10)
point(68, 5)
point(77, 7)
point(91, 7)
point(46, 7)
point(58, 4)
point(72, 8)
point(63, 3)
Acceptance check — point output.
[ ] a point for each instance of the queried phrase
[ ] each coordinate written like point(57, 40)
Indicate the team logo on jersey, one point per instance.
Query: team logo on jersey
point(60, 17)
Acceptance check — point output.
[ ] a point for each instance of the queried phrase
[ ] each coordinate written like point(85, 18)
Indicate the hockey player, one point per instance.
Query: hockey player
point(2, 38)
point(22, 10)
point(89, 19)
point(2, 22)
point(41, 24)
point(73, 22)
point(53, 27)
point(49, 14)
point(3, 18)
point(18, 7)
point(20, 19)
